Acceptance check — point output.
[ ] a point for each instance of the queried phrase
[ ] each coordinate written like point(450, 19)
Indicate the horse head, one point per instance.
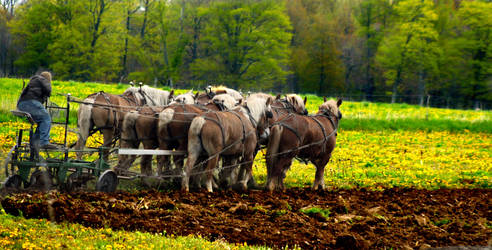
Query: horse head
point(186, 98)
point(331, 108)
point(224, 101)
point(151, 96)
point(260, 111)
point(297, 104)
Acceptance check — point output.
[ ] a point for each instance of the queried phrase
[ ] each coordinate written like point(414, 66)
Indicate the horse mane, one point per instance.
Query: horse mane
point(261, 95)
point(298, 100)
point(330, 105)
point(151, 95)
point(229, 91)
point(256, 105)
point(228, 101)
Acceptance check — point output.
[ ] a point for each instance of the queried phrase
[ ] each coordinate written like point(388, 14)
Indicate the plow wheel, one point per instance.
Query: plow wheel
point(107, 182)
point(13, 181)
point(41, 180)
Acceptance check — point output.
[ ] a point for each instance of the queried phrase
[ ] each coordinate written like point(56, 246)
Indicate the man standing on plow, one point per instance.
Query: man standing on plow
point(31, 101)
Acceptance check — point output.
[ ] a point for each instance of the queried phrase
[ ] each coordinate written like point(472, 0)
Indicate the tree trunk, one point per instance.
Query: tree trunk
point(421, 88)
point(144, 23)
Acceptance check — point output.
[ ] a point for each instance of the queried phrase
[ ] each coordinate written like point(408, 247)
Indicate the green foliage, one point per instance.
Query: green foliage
point(247, 41)
point(374, 48)
point(315, 56)
point(476, 21)
point(33, 26)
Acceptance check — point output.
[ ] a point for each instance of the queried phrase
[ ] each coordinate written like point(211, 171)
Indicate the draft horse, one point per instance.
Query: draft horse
point(174, 123)
point(228, 134)
point(310, 138)
point(104, 112)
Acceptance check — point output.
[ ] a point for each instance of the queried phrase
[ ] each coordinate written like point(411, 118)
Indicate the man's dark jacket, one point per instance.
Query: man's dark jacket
point(38, 89)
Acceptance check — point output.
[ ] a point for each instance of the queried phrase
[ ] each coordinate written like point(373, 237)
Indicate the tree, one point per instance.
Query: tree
point(246, 44)
point(32, 28)
point(410, 51)
point(88, 45)
point(476, 21)
point(371, 16)
point(315, 56)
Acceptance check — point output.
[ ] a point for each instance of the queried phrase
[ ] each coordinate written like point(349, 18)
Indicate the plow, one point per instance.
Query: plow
point(25, 167)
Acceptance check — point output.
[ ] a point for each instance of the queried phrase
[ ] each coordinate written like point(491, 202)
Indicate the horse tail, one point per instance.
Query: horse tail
point(194, 149)
point(84, 122)
point(194, 136)
point(128, 131)
point(195, 131)
point(165, 117)
point(273, 145)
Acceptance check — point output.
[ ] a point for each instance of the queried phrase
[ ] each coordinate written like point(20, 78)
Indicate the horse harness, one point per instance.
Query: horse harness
point(323, 130)
point(201, 107)
point(254, 123)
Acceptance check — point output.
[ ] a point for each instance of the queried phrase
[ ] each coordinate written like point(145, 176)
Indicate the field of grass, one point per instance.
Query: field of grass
point(20, 233)
point(378, 146)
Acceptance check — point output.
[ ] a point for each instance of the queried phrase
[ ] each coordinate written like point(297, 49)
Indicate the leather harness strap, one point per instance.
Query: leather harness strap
point(219, 123)
point(323, 130)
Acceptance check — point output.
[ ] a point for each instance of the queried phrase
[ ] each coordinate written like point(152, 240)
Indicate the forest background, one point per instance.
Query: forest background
point(425, 52)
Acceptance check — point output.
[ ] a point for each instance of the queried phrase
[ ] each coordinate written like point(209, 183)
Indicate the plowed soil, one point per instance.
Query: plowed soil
point(398, 218)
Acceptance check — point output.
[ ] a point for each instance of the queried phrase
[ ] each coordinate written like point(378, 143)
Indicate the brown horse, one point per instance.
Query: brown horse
point(139, 126)
point(105, 112)
point(174, 123)
point(230, 134)
point(311, 138)
point(281, 108)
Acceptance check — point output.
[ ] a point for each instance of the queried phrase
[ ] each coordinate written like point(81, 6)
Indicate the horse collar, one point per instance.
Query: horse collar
point(251, 118)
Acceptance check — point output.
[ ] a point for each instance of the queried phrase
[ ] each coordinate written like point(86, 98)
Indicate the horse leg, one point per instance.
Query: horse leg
point(80, 146)
point(194, 150)
point(247, 166)
point(211, 164)
point(146, 162)
point(226, 178)
point(125, 161)
point(319, 179)
point(277, 173)
point(108, 137)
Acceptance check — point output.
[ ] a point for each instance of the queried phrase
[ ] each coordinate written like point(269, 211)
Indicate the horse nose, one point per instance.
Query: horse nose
point(269, 114)
point(339, 115)
point(305, 112)
point(265, 134)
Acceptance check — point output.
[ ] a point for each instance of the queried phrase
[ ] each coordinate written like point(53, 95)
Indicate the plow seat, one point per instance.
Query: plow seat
point(23, 114)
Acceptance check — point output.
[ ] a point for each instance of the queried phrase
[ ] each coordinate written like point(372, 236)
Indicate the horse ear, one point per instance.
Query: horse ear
point(339, 102)
point(305, 100)
point(269, 101)
point(197, 94)
point(278, 97)
point(171, 93)
point(324, 98)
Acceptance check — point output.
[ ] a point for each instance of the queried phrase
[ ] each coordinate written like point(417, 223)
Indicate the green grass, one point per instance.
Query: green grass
point(324, 212)
point(356, 115)
point(21, 233)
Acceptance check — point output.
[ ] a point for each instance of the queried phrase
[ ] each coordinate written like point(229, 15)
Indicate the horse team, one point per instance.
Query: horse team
point(219, 125)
